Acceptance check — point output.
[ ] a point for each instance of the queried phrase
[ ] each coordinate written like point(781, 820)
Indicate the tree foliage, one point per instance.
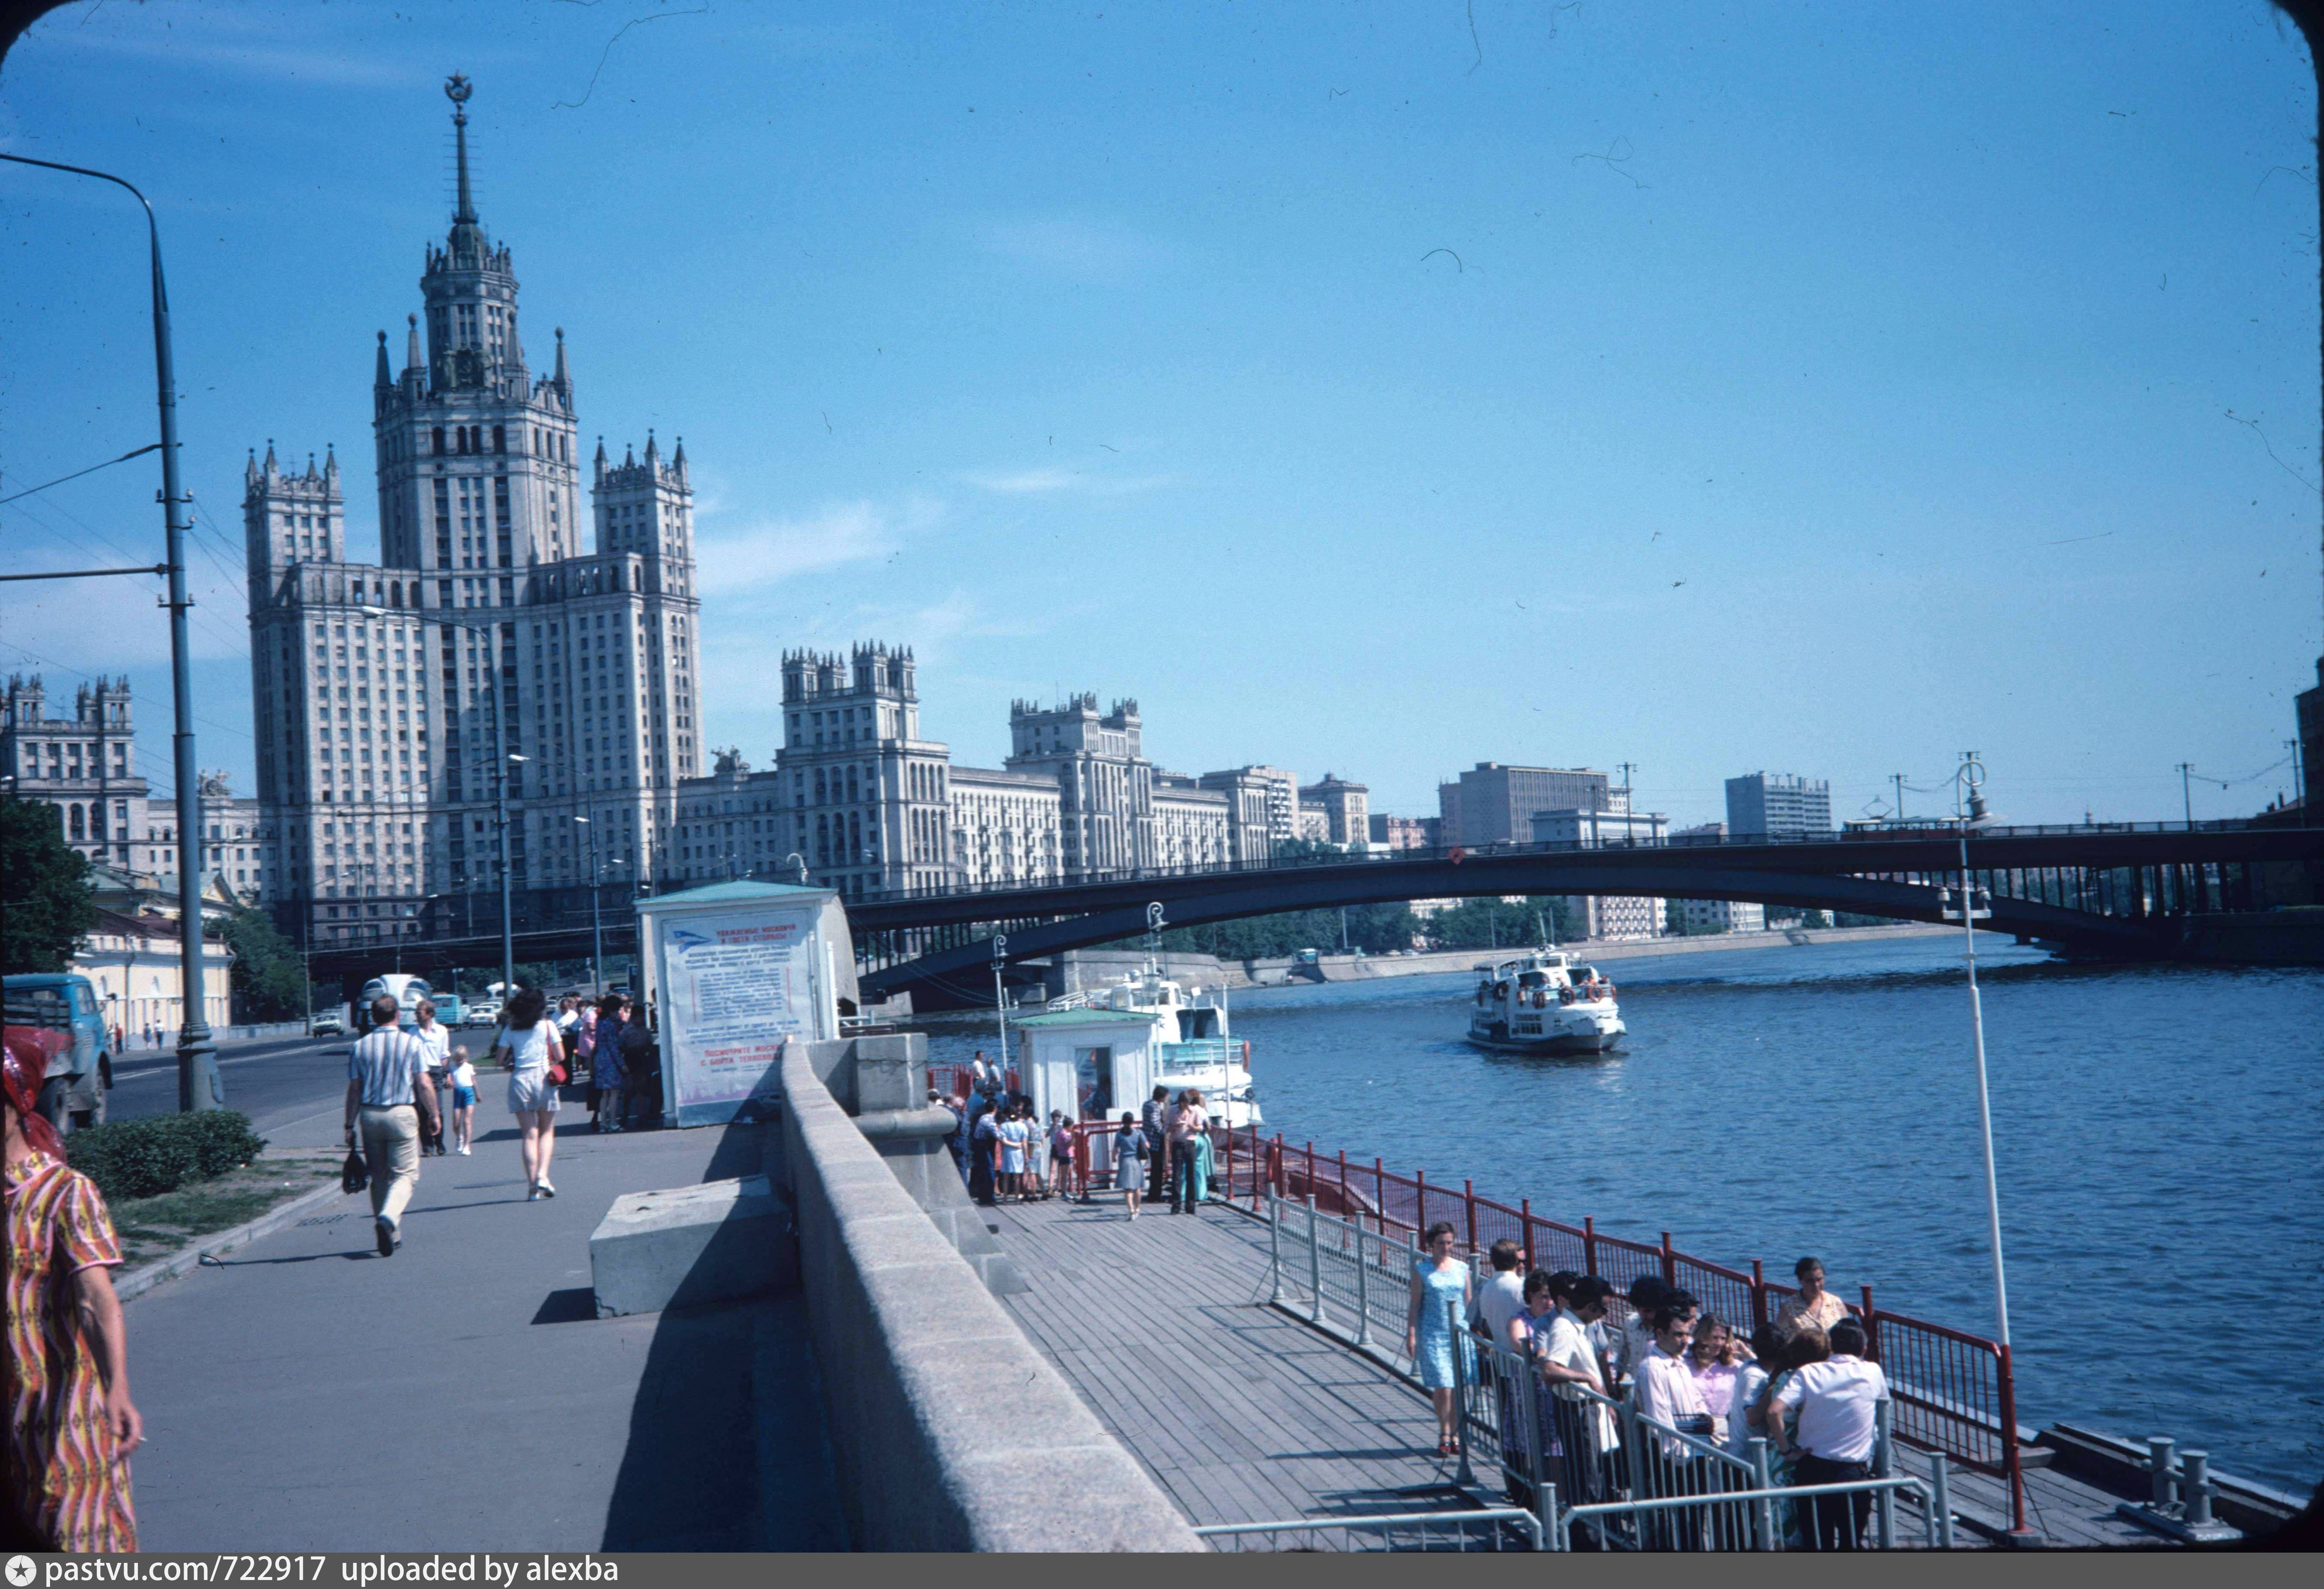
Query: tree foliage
point(1493, 922)
point(50, 903)
point(270, 981)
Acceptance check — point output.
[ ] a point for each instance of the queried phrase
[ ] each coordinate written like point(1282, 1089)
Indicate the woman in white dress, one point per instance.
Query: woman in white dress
point(1016, 1133)
point(528, 1042)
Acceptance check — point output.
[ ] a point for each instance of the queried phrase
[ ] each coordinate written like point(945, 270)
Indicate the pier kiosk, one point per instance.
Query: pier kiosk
point(733, 970)
point(1092, 1063)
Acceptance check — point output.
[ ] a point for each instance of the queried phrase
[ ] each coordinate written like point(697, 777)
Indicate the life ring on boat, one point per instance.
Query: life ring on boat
point(1540, 999)
point(1565, 996)
point(1484, 994)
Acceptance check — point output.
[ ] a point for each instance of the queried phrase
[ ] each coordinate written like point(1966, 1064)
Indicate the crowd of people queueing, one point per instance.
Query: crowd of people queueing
point(1006, 1153)
point(1801, 1382)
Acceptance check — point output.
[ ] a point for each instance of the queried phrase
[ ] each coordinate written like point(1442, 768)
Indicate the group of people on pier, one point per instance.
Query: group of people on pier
point(1569, 1348)
point(1005, 1154)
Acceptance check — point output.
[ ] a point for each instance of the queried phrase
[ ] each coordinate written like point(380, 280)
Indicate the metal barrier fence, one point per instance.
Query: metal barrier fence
point(1491, 1528)
point(1632, 1482)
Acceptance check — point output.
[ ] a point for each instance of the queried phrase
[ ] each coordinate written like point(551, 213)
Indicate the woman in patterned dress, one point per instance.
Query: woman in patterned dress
point(71, 1425)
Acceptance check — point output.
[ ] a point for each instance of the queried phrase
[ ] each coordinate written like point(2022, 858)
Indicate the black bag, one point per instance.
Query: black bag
point(354, 1174)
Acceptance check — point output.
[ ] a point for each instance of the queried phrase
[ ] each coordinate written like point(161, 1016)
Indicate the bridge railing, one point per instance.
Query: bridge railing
point(1955, 1392)
point(1422, 854)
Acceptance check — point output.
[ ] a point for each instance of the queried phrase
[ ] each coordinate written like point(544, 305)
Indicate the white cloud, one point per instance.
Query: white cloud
point(1047, 482)
point(755, 555)
point(1077, 250)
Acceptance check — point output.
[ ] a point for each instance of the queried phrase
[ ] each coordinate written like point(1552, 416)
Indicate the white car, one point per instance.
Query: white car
point(483, 1013)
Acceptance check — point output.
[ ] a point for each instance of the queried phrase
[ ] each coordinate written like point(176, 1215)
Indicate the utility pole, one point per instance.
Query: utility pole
point(597, 932)
point(2187, 791)
point(1000, 994)
point(1898, 779)
point(508, 931)
point(199, 1086)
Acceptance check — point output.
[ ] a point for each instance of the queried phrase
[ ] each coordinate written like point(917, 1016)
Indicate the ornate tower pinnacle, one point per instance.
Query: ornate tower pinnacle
point(466, 237)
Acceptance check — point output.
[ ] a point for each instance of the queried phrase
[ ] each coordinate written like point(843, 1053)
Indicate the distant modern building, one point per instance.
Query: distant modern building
point(1403, 832)
point(1266, 796)
point(1610, 917)
point(1722, 915)
point(1779, 805)
point(1345, 808)
point(1493, 804)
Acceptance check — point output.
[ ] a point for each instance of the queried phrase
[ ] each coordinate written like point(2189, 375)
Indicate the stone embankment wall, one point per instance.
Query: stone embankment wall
point(951, 1432)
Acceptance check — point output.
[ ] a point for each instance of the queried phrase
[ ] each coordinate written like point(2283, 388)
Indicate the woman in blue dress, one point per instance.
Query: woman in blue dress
point(1430, 1338)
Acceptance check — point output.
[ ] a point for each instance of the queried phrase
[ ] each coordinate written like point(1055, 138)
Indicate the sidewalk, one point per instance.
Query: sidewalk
point(310, 1395)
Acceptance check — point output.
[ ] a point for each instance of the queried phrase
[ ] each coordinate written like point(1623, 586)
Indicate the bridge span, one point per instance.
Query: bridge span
point(2119, 890)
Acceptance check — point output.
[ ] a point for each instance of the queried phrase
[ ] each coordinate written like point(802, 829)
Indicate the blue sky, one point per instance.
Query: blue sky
point(1820, 388)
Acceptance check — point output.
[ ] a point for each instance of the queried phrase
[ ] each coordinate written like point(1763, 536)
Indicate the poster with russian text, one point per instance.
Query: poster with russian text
point(736, 985)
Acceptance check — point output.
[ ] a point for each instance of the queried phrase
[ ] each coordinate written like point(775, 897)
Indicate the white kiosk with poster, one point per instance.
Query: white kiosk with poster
point(732, 971)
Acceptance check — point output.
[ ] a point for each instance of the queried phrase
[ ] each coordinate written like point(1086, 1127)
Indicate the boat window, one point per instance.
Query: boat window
point(1534, 979)
point(1193, 1024)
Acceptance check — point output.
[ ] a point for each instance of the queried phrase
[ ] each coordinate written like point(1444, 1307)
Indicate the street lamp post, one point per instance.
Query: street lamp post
point(596, 934)
point(2187, 791)
point(199, 1087)
point(508, 929)
point(1967, 782)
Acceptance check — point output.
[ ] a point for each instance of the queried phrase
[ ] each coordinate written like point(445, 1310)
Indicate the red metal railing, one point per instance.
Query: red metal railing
point(1953, 1391)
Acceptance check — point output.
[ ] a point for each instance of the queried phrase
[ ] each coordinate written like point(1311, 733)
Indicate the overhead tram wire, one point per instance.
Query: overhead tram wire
point(76, 474)
point(234, 645)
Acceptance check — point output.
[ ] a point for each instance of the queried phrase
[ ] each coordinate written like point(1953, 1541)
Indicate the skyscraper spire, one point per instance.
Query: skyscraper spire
point(381, 375)
point(467, 238)
point(413, 358)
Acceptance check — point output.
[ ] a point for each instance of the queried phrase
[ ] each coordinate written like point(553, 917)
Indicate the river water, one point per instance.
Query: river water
point(2159, 1133)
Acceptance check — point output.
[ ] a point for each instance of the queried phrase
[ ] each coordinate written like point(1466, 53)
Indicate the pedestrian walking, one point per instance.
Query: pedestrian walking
point(528, 1042)
point(1190, 1124)
point(1130, 1155)
point(389, 1098)
point(462, 1076)
point(1439, 1293)
point(1812, 1304)
point(608, 1081)
point(71, 1424)
point(438, 1041)
point(1832, 1435)
point(1154, 1120)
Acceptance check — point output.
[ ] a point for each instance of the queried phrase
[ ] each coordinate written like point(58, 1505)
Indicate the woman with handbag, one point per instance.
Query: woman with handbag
point(530, 1046)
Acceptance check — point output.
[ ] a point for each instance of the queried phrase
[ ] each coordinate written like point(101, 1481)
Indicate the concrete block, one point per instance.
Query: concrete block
point(688, 1244)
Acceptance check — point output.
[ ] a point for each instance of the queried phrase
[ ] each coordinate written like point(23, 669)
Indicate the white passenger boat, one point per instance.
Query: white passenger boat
point(1116, 1044)
point(1540, 1003)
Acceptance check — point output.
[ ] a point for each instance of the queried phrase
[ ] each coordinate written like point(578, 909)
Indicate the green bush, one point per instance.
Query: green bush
point(145, 1158)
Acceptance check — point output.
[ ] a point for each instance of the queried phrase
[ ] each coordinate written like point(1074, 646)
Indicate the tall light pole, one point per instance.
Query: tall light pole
point(2187, 791)
point(199, 1087)
point(596, 934)
point(1898, 779)
point(1970, 812)
point(508, 929)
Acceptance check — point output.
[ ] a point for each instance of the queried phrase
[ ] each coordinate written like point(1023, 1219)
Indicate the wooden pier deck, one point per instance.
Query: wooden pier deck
point(1243, 1413)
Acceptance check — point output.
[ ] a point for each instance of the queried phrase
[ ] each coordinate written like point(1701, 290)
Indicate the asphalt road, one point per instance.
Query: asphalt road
point(279, 1085)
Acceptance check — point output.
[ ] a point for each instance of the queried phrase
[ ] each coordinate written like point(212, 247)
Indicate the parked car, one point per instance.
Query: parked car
point(330, 1025)
point(58, 1013)
point(485, 1012)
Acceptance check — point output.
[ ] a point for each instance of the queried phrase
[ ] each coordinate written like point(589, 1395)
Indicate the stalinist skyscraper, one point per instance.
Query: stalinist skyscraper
point(491, 640)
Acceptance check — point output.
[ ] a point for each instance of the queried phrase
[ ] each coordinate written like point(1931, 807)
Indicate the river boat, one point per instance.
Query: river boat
point(1188, 1044)
point(1540, 1003)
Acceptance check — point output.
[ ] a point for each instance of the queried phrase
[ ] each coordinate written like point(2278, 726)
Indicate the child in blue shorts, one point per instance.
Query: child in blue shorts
point(464, 1100)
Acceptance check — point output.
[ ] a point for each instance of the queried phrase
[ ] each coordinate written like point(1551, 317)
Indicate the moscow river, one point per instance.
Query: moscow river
point(2156, 1131)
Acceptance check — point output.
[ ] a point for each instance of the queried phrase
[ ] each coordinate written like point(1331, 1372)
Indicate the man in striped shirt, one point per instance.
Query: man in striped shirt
point(388, 1095)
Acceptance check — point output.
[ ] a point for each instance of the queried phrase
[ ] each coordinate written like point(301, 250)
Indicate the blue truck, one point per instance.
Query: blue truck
point(57, 1012)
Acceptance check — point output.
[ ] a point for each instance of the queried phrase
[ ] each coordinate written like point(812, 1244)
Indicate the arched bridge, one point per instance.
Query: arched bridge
point(2119, 890)
point(2115, 890)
